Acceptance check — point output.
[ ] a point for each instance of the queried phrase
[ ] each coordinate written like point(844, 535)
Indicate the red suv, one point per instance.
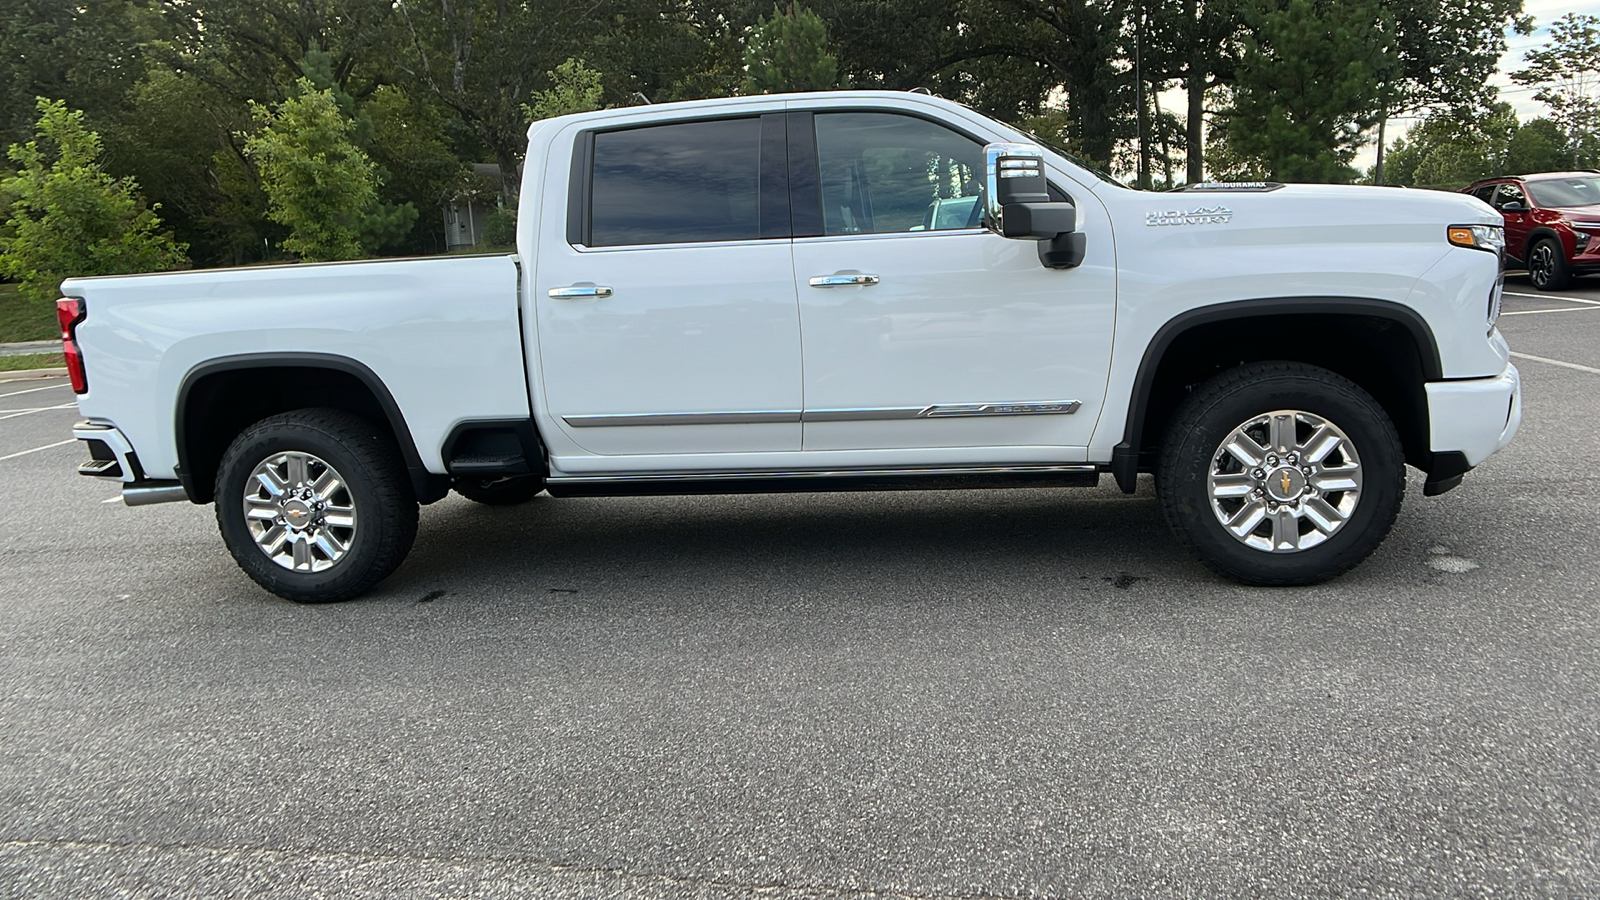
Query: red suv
point(1552, 223)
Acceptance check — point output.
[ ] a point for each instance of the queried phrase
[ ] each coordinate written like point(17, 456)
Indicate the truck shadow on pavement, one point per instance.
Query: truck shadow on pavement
point(878, 544)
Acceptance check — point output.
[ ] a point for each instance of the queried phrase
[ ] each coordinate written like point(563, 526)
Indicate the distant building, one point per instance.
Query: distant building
point(464, 214)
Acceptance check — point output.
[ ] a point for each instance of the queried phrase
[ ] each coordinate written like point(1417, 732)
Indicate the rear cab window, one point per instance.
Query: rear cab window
point(680, 182)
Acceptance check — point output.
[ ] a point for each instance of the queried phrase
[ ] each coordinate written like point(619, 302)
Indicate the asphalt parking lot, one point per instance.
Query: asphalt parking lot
point(968, 695)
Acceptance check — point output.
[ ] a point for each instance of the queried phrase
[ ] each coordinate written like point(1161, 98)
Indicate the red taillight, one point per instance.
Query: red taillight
point(70, 311)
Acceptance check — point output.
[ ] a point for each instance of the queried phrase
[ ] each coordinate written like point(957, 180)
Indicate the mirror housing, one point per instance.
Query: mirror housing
point(1513, 206)
point(1017, 204)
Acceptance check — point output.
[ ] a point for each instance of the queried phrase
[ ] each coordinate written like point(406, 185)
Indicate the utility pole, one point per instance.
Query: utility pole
point(1138, 78)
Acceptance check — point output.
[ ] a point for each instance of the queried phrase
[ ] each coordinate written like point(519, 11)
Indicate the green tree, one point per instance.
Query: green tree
point(1444, 53)
point(484, 59)
point(417, 166)
point(1085, 48)
point(1538, 146)
point(1308, 88)
point(1567, 75)
point(256, 49)
point(66, 216)
point(1447, 149)
point(1199, 44)
point(574, 88)
point(85, 54)
point(1453, 148)
point(789, 52)
point(180, 140)
point(318, 182)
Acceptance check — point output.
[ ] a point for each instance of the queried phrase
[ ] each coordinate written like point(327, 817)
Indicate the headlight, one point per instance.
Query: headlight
point(1479, 237)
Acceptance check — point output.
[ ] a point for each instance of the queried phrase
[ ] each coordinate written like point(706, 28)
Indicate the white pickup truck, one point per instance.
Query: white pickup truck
point(826, 291)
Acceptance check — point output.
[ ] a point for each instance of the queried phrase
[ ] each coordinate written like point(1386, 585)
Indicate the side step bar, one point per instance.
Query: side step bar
point(799, 482)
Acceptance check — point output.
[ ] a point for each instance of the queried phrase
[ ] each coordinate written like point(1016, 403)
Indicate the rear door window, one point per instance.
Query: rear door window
point(679, 183)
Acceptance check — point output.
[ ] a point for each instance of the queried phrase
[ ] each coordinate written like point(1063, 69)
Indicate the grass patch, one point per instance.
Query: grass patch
point(31, 361)
point(26, 319)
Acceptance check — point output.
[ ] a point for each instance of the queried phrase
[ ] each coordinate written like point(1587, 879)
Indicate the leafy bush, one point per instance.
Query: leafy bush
point(67, 217)
point(500, 227)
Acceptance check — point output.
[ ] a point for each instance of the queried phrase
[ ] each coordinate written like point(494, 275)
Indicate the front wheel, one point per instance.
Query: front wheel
point(1281, 474)
point(315, 505)
point(1547, 265)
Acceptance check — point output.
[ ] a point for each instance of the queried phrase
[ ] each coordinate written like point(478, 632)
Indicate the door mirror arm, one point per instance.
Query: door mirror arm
point(1017, 205)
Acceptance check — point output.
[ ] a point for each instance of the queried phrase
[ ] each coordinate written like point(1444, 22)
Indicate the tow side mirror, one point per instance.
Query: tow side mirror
point(1017, 205)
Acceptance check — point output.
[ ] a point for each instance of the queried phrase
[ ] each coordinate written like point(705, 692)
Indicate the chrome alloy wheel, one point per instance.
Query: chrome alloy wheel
point(1284, 481)
point(300, 511)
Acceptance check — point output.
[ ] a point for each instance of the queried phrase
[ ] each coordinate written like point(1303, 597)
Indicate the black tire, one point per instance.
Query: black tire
point(1193, 450)
point(370, 480)
point(508, 491)
point(1547, 265)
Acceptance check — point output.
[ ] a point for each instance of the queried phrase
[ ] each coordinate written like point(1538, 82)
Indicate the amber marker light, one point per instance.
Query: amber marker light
point(1491, 238)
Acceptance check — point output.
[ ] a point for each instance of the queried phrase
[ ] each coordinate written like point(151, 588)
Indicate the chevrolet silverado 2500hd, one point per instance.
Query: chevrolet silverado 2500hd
point(828, 291)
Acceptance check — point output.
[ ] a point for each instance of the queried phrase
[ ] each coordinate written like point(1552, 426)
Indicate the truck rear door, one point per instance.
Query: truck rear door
point(667, 311)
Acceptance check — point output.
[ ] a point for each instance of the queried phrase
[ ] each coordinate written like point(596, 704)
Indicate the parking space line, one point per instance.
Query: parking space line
point(1553, 297)
point(37, 389)
point(1554, 362)
point(29, 412)
point(48, 446)
point(1534, 312)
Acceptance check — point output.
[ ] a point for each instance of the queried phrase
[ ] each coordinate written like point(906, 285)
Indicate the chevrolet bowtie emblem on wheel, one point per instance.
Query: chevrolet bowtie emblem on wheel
point(1286, 484)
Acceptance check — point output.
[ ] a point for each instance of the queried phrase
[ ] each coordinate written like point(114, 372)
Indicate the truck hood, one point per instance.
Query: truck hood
point(1297, 206)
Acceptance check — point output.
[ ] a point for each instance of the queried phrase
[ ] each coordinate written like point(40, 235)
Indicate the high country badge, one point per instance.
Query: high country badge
point(1205, 215)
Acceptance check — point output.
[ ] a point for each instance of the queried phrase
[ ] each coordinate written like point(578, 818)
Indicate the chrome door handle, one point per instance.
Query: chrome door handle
point(842, 280)
point(579, 290)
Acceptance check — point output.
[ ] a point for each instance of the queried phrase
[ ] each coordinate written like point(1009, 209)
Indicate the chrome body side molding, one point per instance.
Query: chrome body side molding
point(758, 482)
point(756, 417)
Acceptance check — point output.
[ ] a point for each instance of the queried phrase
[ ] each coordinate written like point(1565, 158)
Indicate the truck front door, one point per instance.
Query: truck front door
point(922, 330)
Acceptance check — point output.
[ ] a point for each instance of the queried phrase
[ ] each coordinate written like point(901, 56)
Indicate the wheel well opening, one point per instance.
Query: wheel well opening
point(220, 405)
point(1377, 353)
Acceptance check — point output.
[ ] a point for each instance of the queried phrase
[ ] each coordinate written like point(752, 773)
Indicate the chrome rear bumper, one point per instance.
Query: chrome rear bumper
point(112, 456)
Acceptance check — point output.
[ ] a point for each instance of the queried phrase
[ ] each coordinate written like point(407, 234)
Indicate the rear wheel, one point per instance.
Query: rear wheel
point(507, 491)
point(1281, 474)
point(1547, 265)
point(315, 505)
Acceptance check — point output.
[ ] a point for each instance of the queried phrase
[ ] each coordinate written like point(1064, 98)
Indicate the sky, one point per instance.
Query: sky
point(1543, 12)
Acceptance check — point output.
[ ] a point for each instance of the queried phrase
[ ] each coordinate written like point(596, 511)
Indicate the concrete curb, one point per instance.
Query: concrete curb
point(28, 348)
point(24, 374)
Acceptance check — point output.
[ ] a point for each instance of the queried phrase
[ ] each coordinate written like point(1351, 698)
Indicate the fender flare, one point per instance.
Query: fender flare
point(427, 485)
point(1125, 455)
